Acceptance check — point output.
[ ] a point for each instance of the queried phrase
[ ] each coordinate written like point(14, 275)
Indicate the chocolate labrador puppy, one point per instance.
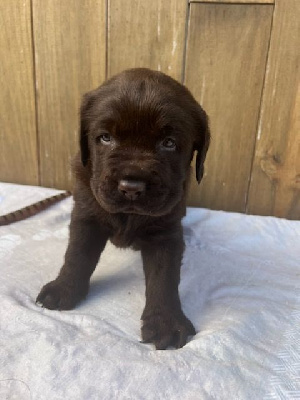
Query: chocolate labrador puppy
point(138, 133)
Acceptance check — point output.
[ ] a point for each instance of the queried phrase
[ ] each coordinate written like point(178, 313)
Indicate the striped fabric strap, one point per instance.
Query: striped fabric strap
point(33, 209)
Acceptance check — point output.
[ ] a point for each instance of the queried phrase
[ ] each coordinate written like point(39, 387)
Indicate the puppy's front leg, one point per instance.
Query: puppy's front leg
point(164, 323)
point(87, 241)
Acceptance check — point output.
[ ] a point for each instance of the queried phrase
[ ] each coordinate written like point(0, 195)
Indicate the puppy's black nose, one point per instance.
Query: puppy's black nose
point(131, 189)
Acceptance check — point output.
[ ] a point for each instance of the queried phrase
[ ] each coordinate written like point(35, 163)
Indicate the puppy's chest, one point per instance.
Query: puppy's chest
point(128, 231)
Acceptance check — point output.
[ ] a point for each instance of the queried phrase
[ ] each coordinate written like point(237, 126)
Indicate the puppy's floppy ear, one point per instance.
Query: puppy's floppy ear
point(86, 104)
point(202, 141)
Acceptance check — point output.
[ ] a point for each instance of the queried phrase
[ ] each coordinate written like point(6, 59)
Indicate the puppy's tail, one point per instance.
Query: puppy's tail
point(33, 209)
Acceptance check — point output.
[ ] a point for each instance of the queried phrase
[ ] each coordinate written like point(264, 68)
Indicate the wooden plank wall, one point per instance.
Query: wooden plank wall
point(240, 58)
point(70, 46)
point(228, 83)
point(152, 35)
point(18, 136)
point(275, 177)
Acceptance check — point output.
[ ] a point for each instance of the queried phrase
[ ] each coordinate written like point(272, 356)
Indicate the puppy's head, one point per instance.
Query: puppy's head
point(139, 131)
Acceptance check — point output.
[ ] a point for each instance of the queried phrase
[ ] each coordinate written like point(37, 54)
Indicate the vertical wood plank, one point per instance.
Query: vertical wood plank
point(275, 181)
point(235, 1)
point(226, 60)
point(148, 34)
point(70, 50)
point(18, 144)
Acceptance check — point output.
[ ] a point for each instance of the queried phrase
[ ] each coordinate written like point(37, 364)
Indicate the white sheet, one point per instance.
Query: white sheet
point(240, 287)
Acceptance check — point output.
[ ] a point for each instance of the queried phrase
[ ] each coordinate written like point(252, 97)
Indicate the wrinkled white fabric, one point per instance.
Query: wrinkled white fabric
point(239, 286)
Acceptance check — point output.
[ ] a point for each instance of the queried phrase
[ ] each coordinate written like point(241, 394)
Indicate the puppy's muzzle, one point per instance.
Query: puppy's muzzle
point(131, 189)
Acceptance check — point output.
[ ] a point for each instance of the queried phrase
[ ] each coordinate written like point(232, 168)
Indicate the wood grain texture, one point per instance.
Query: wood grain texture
point(226, 60)
point(275, 181)
point(18, 144)
point(235, 1)
point(146, 33)
point(70, 60)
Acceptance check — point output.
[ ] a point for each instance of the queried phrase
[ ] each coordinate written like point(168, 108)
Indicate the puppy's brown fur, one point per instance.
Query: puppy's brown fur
point(139, 131)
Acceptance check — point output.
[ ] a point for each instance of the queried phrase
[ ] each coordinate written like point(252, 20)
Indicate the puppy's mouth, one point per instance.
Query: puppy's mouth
point(133, 209)
point(140, 207)
point(155, 201)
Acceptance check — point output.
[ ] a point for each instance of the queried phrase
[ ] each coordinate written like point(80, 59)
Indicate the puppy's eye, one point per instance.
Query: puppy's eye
point(105, 138)
point(169, 143)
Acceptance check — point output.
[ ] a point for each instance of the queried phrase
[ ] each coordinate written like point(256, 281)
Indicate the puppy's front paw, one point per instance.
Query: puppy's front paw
point(166, 328)
point(60, 295)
